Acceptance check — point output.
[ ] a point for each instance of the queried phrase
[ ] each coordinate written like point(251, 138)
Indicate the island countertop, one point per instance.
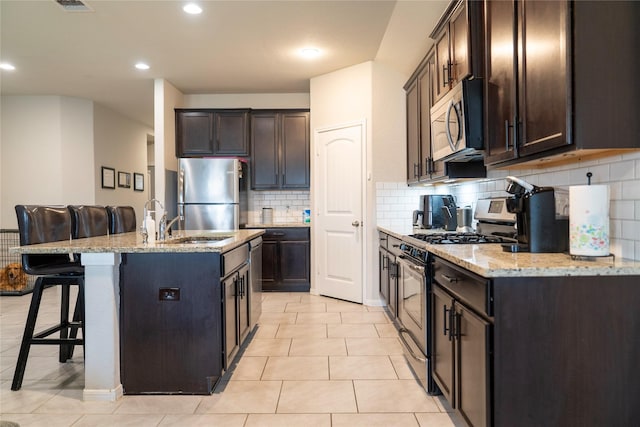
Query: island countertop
point(221, 241)
point(490, 260)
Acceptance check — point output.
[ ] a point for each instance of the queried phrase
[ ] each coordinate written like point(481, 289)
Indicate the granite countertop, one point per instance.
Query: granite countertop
point(279, 225)
point(489, 260)
point(132, 243)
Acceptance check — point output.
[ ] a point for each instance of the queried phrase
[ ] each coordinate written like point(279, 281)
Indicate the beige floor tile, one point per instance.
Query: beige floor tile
point(277, 318)
point(288, 420)
point(308, 298)
point(302, 331)
point(373, 346)
point(243, 397)
point(352, 331)
point(347, 307)
point(164, 404)
point(274, 306)
point(249, 368)
point(373, 420)
point(297, 368)
point(317, 397)
point(71, 402)
point(122, 420)
point(386, 330)
point(268, 330)
point(376, 308)
point(361, 368)
point(315, 307)
point(31, 396)
point(392, 396)
point(268, 347)
point(400, 364)
point(324, 318)
point(365, 317)
point(434, 420)
point(39, 420)
point(204, 420)
point(318, 347)
point(281, 296)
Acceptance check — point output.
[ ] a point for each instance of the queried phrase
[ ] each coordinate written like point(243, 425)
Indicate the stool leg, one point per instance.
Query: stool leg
point(29, 327)
point(78, 317)
point(65, 349)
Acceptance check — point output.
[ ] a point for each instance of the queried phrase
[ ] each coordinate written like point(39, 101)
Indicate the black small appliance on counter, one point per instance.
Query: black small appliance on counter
point(542, 222)
point(437, 211)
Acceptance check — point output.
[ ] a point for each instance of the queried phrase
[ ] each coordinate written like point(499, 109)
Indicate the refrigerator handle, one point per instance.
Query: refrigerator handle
point(181, 186)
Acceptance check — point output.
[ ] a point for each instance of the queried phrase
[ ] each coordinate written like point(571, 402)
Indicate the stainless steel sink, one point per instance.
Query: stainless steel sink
point(197, 240)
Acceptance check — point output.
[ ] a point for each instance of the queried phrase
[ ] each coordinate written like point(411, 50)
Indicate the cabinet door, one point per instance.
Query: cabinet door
point(243, 302)
point(442, 72)
point(230, 319)
point(543, 76)
point(194, 133)
point(500, 107)
point(264, 151)
point(473, 375)
point(231, 133)
point(413, 133)
point(294, 262)
point(270, 261)
point(442, 355)
point(295, 146)
point(460, 46)
point(424, 152)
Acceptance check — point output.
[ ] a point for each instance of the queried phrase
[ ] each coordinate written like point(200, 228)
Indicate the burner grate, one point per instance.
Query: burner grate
point(459, 238)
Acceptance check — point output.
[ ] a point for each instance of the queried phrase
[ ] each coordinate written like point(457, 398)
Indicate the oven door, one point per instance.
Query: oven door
point(447, 125)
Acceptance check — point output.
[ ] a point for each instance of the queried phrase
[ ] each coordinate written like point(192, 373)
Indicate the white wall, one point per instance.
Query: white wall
point(121, 144)
point(52, 150)
point(248, 100)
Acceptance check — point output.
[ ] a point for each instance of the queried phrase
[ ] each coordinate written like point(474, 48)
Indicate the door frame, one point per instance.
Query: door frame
point(362, 123)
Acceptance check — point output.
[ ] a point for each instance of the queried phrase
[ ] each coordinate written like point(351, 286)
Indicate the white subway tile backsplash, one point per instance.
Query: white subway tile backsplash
point(622, 171)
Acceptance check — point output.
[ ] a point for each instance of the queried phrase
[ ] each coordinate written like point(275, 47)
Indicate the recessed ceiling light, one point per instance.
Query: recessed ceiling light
point(142, 66)
point(310, 52)
point(7, 66)
point(192, 9)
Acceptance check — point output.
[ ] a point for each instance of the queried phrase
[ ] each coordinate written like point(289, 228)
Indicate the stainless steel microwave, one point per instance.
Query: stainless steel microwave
point(456, 123)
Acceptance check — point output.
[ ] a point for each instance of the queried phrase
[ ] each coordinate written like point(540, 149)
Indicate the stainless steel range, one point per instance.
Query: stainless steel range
point(415, 275)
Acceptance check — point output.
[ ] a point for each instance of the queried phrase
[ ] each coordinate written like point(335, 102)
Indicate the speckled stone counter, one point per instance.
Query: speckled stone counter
point(132, 243)
point(489, 260)
point(279, 225)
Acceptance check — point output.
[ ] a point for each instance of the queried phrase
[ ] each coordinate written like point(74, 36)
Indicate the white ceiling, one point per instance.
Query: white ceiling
point(232, 47)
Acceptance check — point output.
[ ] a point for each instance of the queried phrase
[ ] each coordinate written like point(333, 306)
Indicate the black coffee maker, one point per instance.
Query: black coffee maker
point(540, 227)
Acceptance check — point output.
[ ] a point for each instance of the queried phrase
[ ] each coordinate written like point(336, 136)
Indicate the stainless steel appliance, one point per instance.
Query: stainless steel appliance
point(211, 193)
point(436, 211)
point(542, 224)
point(456, 123)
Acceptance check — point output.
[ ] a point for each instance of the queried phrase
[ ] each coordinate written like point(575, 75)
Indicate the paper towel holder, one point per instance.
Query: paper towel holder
point(589, 175)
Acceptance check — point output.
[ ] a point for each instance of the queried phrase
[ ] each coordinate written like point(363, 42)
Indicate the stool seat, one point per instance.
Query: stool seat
point(42, 224)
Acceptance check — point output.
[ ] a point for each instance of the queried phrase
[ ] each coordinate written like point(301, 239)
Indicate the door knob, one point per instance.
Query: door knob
point(356, 223)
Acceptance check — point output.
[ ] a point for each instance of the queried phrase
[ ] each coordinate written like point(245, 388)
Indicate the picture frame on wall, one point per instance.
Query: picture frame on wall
point(108, 177)
point(124, 179)
point(138, 182)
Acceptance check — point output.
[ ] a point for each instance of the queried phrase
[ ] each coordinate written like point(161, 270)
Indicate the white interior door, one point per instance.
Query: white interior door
point(338, 231)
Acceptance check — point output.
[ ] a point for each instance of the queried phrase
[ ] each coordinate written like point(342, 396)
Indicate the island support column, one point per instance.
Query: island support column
point(102, 330)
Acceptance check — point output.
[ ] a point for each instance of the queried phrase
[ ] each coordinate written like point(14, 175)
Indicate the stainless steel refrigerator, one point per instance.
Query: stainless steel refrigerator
point(212, 193)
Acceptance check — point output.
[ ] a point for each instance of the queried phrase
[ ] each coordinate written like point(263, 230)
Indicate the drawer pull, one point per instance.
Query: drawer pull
point(450, 279)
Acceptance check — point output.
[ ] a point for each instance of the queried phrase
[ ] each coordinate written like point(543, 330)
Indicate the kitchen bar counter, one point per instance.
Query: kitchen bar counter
point(489, 260)
point(101, 260)
point(279, 225)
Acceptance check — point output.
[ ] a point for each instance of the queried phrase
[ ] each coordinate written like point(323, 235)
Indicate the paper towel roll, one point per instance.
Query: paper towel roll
point(589, 220)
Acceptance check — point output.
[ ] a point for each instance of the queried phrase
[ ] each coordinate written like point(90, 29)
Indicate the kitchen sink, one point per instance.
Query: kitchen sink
point(196, 240)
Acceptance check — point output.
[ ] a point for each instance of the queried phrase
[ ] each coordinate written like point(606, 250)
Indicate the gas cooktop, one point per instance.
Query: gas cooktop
point(460, 238)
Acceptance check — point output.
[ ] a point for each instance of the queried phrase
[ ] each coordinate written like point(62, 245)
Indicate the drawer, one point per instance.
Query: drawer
point(472, 290)
point(286, 233)
point(382, 239)
point(233, 259)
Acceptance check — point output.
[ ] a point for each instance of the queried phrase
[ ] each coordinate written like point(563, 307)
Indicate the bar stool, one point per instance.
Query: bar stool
point(42, 224)
point(88, 221)
point(122, 219)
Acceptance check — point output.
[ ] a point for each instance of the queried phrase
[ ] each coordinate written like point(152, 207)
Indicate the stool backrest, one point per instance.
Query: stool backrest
point(88, 221)
point(43, 224)
point(122, 219)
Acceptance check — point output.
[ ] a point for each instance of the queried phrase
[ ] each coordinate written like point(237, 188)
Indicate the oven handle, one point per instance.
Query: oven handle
point(412, 264)
point(403, 331)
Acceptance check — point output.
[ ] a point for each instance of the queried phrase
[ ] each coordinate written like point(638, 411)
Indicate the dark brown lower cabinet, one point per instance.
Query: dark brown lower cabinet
point(286, 259)
point(170, 323)
point(537, 351)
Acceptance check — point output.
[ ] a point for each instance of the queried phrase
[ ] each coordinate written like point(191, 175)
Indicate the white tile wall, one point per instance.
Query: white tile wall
point(395, 201)
point(287, 205)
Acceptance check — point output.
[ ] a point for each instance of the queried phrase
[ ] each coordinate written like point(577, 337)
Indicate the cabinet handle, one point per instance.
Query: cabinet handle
point(416, 171)
point(445, 77)
point(385, 262)
point(506, 134)
point(456, 324)
point(444, 332)
point(450, 279)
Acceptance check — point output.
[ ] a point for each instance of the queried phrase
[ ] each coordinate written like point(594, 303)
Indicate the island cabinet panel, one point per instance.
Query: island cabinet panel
point(566, 351)
point(171, 322)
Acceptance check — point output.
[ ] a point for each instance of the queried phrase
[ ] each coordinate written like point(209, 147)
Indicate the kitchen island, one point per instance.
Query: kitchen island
point(101, 257)
point(527, 339)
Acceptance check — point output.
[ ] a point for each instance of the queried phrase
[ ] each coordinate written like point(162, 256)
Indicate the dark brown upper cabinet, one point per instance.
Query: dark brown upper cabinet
point(201, 133)
point(559, 80)
point(457, 45)
point(280, 145)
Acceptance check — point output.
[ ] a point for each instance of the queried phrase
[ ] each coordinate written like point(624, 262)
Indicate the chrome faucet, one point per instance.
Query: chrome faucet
point(145, 211)
point(165, 227)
